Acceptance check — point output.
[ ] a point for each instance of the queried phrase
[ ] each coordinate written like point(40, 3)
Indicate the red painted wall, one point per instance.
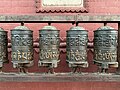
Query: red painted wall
point(61, 86)
point(95, 7)
point(28, 6)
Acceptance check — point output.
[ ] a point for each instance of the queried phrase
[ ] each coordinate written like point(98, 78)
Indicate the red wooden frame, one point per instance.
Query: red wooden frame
point(54, 9)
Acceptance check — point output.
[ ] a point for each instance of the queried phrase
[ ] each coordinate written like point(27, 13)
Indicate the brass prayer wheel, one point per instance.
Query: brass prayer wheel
point(49, 44)
point(77, 39)
point(22, 47)
point(3, 47)
point(105, 47)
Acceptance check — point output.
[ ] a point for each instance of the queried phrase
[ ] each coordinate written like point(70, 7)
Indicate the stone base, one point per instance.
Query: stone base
point(58, 77)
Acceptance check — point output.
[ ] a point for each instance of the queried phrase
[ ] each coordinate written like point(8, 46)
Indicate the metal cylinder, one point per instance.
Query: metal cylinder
point(3, 47)
point(105, 45)
point(49, 46)
point(77, 38)
point(22, 46)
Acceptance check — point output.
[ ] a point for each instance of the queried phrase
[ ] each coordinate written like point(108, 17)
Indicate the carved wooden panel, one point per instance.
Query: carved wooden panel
point(60, 6)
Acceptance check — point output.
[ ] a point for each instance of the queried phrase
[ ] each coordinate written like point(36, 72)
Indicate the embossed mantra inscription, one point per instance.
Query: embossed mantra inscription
point(105, 47)
point(21, 50)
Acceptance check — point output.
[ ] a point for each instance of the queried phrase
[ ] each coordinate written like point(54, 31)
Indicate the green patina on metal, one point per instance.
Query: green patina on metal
point(49, 44)
point(3, 46)
point(22, 46)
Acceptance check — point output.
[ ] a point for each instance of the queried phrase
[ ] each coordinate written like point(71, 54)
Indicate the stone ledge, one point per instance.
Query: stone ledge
point(60, 18)
point(110, 18)
point(58, 77)
point(42, 18)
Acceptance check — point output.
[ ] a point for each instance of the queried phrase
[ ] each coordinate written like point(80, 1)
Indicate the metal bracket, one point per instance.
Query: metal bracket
point(104, 66)
point(52, 64)
point(1, 64)
point(79, 64)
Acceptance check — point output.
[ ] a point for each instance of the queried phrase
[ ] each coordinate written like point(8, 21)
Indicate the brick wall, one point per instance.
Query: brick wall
point(28, 6)
point(60, 86)
point(17, 6)
point(104, 6)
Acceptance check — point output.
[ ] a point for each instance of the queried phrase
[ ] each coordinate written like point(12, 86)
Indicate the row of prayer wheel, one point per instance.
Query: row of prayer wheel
point(105, 47)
